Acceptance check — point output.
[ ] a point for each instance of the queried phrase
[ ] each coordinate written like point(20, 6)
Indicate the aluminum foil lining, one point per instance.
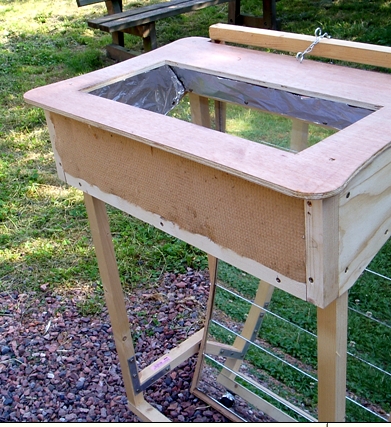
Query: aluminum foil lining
point(161, 89)
point(157, 90)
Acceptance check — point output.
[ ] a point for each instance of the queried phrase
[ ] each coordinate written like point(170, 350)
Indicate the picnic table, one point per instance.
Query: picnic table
point(141, 21)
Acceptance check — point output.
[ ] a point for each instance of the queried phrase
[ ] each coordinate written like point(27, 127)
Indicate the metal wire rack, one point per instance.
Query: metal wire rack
point(276, 366)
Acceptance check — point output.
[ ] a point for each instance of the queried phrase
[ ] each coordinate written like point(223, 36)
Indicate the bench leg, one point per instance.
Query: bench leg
point(268, 20)
point(199, 107)
point(116, 7)
point(148, 33)
point(118, 38)
point(269, 14)
point(234, 12)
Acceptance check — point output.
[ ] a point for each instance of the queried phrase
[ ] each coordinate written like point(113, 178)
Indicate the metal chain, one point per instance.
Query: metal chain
point(319, 36)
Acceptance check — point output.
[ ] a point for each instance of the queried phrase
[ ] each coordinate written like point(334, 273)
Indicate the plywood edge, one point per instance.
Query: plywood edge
point(304, 174)
point(370, 139)
point(250, 266)
point(365, 224)
point(52, 134)
point(322, 242)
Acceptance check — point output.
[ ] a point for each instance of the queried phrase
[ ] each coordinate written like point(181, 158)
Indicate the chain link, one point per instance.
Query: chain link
point(319, 36)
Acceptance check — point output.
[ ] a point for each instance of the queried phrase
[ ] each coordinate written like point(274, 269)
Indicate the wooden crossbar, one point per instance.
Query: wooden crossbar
point(360, 53)
point(81, 3)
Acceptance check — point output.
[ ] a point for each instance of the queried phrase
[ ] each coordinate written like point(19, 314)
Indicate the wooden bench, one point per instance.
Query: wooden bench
point(140, 21)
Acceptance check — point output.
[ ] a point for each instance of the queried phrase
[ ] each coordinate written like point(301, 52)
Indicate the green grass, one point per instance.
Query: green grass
point(44, 233)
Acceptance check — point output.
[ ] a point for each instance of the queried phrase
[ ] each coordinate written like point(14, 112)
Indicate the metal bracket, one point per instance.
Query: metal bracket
point(231, 354)
point(240, 354)
point(134, 376)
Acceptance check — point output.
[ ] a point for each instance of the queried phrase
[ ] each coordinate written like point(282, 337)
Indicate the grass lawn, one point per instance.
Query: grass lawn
point(44, 235)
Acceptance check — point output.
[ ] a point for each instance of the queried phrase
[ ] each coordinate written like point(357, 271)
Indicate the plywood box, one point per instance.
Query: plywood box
point(306, 222)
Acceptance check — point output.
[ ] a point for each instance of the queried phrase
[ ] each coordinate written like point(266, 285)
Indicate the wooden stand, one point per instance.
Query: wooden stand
point(288, 218)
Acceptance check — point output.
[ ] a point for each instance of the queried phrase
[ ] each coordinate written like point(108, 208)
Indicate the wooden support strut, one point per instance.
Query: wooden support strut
point(115, 302)
point(135, 382)
point(332, 350)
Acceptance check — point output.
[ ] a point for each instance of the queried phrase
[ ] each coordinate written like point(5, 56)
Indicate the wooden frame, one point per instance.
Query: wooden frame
point(197, 184)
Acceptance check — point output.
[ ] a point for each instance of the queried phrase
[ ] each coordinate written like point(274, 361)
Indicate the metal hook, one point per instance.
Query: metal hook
point(318, 32)
point(318, 37)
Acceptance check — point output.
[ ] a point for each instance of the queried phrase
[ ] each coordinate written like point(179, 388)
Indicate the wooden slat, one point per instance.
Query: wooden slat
point(81, 3)
point(129, 13)
point(250, 397)
point(222, 409)
point(361, 53)
point(332, 348)
point(152, 13)
point(175, 357)
point(214, 348)
point(277, 414)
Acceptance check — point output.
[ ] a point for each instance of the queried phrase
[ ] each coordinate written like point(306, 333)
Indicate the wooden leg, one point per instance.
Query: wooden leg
point(118, 38)
point(234, 12)
point(115, 302)
point(299, 135)
point(269, 14)
point(332, 348)
point(212, 263)
point(148, 33)
point(221, 115)
point(199, 108)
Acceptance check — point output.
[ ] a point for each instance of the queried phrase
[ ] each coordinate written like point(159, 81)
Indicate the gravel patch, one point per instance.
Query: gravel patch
point(58, 366)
